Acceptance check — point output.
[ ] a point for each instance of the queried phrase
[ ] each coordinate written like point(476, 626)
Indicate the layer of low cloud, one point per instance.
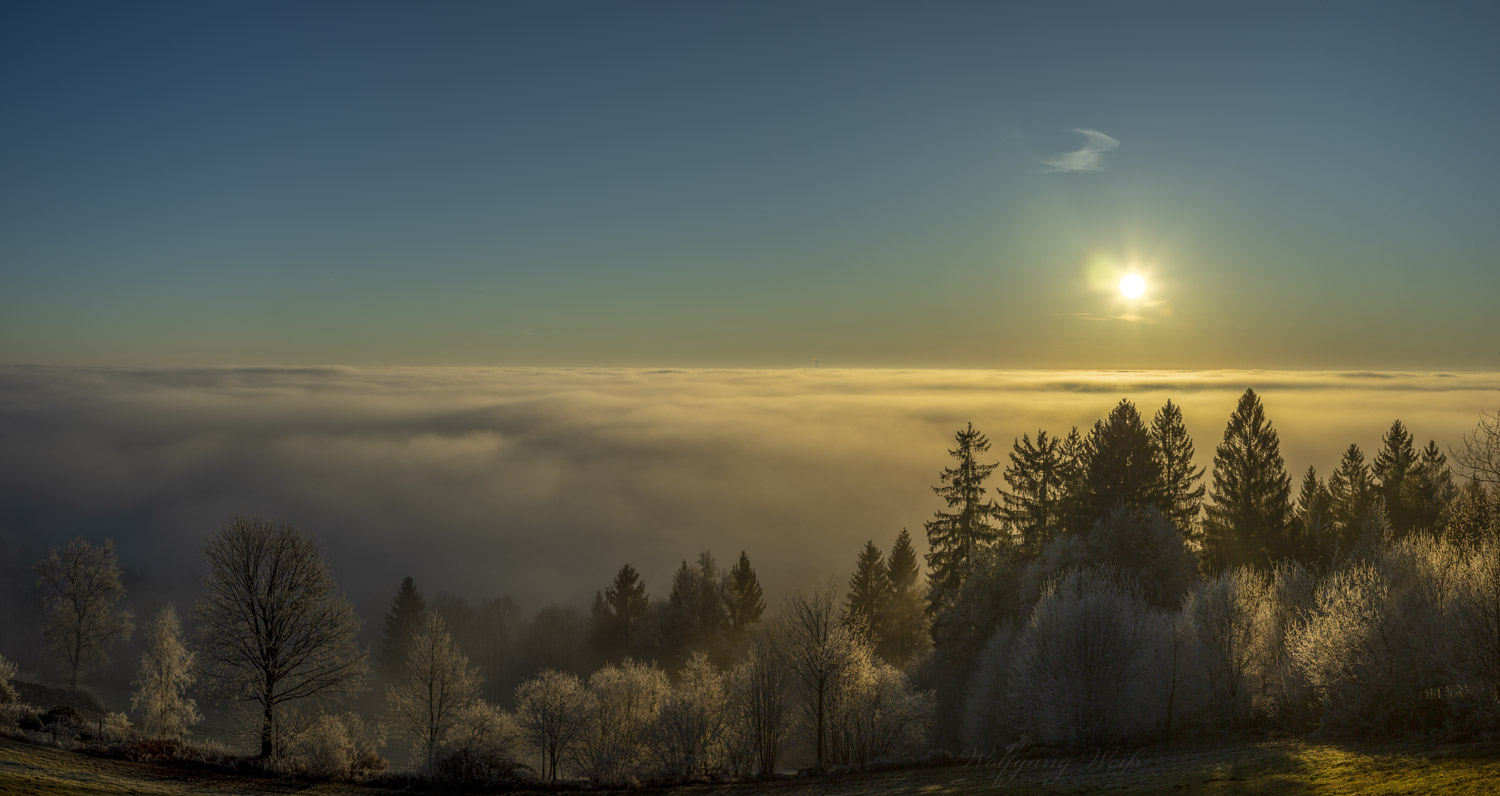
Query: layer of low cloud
point(540, 483)
point(1089, 158)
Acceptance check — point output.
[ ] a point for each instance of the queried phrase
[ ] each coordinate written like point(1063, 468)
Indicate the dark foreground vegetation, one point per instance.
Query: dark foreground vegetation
point(1106, 598)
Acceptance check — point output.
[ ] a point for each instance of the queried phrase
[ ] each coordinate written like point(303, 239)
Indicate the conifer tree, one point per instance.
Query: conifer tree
point(1317, 535)
point(1474, 516)
point(743, 598)
point(1393, 467)
point(1352, 495)
point(1182, 485)
point(698, 619)
point(1075, 457)
point(954, 536)
point(904, 628)
point(869, 592)
point(401, 621)
point(1249, 509)
point(619, 614)
point(1120, 469)
point(1032, 509)
point(1430, 492)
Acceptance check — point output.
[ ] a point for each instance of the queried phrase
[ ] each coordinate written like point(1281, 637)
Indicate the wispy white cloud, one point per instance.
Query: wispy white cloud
point(1089, 158)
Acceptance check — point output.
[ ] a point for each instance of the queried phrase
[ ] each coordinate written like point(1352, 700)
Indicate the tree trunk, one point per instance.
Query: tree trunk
point(267, 733)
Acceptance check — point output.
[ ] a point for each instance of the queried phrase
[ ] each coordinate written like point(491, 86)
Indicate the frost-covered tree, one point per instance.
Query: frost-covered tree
point(876, 714)
point(1033, 507)
point(480, 748)
point(1249, 509)
point(904, 628)
point(401, 622)
point(1225, 614)
point(1476, 612)
point(818, 648)
point(955, 536)
point(1145, 547)
point(8, 693)
point(80, 591)
point(687, 738)
point(624, 700)
point(1474, 517)
point(869, 592)
point(1082, 660)
point(552, 711)
point(435, 684)
point(273, 629)
point(161, 683)
point(757, 701)
point(743, 598)
point(1182, 485)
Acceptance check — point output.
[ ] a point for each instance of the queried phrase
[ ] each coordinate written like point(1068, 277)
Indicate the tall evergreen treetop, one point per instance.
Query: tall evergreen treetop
point(1429, 494)
point(619, 615)
point(1037, 474)
point(1352, 493)
point(743, 597)
point(869, 591)
point(955, 536)
point(1317, 535)
point(1121, 469)
point(904, 627)
point(401, 622)
point(1249, 510)
point(1393, 466)
point(1182, 485)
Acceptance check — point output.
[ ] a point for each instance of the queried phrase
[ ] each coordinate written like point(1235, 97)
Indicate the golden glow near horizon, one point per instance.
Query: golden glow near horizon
point(1132, 286)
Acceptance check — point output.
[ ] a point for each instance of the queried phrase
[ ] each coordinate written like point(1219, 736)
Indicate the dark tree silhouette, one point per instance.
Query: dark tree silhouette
point(743, 598)
point(954, 536)
point(1249, 510)
point(904, 628)
point(869, 591)
point(1317, 535)
point(619, 615)
point(1182, 485)
point(1394, 466)
point(1352, 494)
point(401, 621)
point(1032, 509)
point(1120, 469)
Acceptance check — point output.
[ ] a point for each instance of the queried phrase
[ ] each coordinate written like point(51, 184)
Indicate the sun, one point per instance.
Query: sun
point(1132, 286)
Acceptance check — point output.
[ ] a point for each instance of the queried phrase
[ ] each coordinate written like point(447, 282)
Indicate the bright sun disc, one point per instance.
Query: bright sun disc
point(1132, 286)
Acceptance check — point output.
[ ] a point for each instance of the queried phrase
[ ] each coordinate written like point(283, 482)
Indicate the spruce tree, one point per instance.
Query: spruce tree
point(1430, 492)
point(1474, 514)
point(904, 628)
point(1182, 485)
point(743, 598)
point(619, 615)
point(1352, 493)
point(1032, 509)
point(955, 536)
point(1317, 535)
point(401, 622)
point(1249, 510)
point(1394, 466)
point(869, 592)
point(1075, 457)
point(1120, 469)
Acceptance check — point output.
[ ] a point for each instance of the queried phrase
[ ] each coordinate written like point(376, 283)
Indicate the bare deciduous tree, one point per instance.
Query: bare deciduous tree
point(81, 587)
point(758, 709)
point(436, 683)
point(273, 629)
point(161, 682)
point(1480, 454)
point(818, 648)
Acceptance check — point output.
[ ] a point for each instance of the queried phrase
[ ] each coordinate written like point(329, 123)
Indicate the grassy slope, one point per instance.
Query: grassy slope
point(1247, 767)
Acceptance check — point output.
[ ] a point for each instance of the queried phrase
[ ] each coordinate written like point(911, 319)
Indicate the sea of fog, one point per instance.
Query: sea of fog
point(539, 483)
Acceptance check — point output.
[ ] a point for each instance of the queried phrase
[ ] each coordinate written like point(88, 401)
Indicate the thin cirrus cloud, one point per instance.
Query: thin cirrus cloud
point(1089, 158)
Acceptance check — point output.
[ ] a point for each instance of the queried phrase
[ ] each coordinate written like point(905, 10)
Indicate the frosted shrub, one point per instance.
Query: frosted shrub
point(758, 703)
point(876, 715)
point(1082, 659)
point(687, 737)
point(989, 712)
point(1475, 653)
point(480, 748)
point(114, 728)
point(1225, 613)
point(624, 704)
point(8, 693)
point(338, 747)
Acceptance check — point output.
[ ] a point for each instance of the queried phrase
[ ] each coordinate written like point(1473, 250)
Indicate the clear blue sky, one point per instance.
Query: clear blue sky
point(1303, 185)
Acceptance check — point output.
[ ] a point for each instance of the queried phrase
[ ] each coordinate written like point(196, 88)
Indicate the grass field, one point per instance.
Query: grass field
point(1268, 767)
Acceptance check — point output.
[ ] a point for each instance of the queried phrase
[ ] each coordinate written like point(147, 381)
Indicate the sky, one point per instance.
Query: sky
point(761, 185)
